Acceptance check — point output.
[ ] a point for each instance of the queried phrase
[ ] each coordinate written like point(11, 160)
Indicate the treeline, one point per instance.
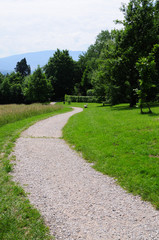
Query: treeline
point(51, 82)
point(121, 66)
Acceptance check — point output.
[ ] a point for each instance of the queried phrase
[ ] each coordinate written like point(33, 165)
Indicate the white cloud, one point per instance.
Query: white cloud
point(35, 25)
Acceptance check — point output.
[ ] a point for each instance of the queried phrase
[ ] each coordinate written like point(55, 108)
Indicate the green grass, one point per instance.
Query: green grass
point(18, 219)
point(121, 143)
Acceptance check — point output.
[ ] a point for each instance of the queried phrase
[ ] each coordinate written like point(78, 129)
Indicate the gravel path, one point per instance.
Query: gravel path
point(76, 201)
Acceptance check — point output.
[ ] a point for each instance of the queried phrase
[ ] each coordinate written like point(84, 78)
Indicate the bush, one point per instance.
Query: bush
point(88, 99)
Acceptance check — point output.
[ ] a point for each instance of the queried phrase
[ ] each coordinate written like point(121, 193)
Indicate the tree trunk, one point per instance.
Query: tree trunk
point(133, 99)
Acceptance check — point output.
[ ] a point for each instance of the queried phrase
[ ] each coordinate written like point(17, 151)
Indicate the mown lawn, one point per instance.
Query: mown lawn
point(121, 143)
point(18, 219)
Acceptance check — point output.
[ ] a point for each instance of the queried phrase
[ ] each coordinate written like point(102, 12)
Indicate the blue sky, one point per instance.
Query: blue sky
point(37, 25)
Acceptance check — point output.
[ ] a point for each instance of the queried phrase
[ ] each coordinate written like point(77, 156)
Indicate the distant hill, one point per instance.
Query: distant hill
point(34, 59)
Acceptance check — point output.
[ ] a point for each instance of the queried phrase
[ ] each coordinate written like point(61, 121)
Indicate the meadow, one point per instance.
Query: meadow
point(121, 143)
point(13, 112)
point(18, 218)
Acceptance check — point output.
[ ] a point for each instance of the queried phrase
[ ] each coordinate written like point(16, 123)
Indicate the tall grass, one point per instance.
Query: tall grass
point(14, 112)
point(121, 143)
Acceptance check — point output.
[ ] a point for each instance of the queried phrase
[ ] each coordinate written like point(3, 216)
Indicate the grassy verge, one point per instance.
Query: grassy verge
point(121, 143)
point(18, 219)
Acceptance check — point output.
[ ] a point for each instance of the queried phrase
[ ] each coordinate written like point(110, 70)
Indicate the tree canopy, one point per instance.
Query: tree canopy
point(60, 70)
point(110, 64)
point(36, 87)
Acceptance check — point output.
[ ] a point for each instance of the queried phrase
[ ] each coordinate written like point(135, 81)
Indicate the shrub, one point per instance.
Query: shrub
point(72, 98)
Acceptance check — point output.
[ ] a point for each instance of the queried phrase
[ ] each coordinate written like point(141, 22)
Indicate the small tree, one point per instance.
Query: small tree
point(36, 87)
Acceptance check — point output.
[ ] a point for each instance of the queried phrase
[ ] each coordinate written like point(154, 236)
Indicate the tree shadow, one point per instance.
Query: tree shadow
point(117, 107)
point(128, 108)
point(104, 106)
point(152, 114)
point(121, 108)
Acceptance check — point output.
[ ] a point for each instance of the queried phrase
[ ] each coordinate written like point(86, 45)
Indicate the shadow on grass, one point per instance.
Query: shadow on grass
point(118, 107)
point(121, 108)
point(104, 106)
point(152, 114)
point(126, 107)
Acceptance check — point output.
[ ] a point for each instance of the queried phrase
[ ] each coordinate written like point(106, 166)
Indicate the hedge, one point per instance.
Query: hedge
point(87, 99)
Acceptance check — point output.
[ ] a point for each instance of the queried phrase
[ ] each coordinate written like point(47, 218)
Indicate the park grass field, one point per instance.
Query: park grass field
point(121, 143)
point(118, 140)
point(18, 219)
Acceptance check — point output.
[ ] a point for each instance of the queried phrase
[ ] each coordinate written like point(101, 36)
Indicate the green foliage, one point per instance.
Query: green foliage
point(86, 99)
point(15, 88)
point(146, 68)
point(60, 70)
point(110, 64)
point(136, 40)
point(90, 92)
point(1, 80)
point(86, 80)
point(36, 87)
point(108, 67)
point(23, 68)
point(155, 55)
point(11, 88)
point(121, 143)
point(105, 78)
point(88, 60)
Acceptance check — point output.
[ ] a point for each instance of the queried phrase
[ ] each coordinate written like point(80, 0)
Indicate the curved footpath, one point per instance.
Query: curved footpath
point(76, 201)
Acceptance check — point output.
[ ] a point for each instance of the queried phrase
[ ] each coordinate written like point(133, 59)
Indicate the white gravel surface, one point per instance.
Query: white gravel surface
point(76, 201)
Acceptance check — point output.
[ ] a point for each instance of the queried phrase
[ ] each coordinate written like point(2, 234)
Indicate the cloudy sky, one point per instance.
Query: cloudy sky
point(37, 25)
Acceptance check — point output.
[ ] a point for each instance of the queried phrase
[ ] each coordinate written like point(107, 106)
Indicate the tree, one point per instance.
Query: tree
point(86, 80)
point(36, 87)
point(136, 40)
point(155, 55)
point(23, 68)
point(1, 80)
point(146, 68)
point(78, 72)
point(60, 70)
point(11, 88)
point(89, 60)
point(102, 76)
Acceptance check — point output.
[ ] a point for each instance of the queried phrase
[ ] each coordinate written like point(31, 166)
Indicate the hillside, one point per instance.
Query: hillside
point(34, 59)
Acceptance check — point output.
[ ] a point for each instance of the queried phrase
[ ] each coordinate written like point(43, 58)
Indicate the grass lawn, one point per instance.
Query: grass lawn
point(121, 143)
point(18, 219)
